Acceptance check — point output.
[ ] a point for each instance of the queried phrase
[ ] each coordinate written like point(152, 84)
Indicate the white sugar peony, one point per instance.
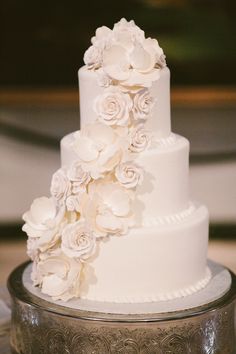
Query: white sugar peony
point(78, 241)
point(130, 69)
point(126, 55)
point(60, 185)
point(129, 174)
point(103, 79)
point(135, 67)
point(130, 58)
point(43, 221)
point(58, 275)
point(140, 139)
point(98, 148)
point(73, 203)
point(108, 208)
point(78, 177)
point(142, 57)
point(113, 106)
point(143, 104)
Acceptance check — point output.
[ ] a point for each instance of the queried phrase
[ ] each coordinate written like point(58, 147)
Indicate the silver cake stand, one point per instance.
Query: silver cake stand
point(202, 323)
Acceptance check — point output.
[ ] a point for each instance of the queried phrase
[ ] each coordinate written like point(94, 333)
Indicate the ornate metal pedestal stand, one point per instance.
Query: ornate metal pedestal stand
point(41, 326)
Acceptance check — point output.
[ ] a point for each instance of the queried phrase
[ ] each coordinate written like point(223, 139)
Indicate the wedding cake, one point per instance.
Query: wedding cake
point(119, 225)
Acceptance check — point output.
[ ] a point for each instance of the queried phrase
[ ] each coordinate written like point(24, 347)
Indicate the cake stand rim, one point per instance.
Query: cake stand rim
point(17, 290)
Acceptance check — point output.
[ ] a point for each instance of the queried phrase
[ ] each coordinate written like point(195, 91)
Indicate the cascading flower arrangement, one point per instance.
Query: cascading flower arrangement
point(92, 199)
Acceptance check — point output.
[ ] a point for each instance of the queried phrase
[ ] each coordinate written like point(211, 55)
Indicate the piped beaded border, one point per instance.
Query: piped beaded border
point(169, 219)
point(164, 142)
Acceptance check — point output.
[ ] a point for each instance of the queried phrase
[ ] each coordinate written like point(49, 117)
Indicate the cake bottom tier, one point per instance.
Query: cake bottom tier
point(151, 264)
point(42, 326)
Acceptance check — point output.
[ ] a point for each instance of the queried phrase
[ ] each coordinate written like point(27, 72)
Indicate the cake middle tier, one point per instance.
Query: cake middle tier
point(164, 191)
point(165, 188)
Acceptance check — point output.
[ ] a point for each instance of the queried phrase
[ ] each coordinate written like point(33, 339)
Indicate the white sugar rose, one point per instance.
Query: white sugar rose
point(60, 185)
point(143, 104)
point(58, 275)
point(43, 221)
point(98, 148)
point(78, 241)
point(102, 36)
point(108, 208)
point(93, 57)
point(129, 174)
point(113, 106)
point(78, 177)
point(140, 139)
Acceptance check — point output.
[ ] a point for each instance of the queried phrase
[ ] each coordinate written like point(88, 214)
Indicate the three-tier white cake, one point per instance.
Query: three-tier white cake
point(119, 225)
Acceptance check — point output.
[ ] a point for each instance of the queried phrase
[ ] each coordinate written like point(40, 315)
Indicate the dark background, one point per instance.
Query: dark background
point(42, 42)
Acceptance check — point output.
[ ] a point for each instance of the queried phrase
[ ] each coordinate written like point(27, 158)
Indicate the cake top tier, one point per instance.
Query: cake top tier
point(125, 80)
point(124, 55)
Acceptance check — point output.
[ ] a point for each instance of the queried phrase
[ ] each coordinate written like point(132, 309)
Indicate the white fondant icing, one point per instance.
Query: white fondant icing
point(151, 264)
point(165, 188)
point(146, 298)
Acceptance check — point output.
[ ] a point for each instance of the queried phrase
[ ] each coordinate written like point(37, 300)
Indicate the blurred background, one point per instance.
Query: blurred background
point(41, 48)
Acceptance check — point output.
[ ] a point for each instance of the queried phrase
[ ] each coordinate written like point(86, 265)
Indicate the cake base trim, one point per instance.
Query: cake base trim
point(189, 290)
point(39, 326)
point(216, 287)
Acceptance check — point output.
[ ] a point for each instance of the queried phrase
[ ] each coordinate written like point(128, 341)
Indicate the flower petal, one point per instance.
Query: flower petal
point(141, 79)
point(116, 72)
point(141, 59)
point(118, 202)
point(110, 223)
point(42, 209)
point(86, 149)
point(114, 55)
point(100, 133)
